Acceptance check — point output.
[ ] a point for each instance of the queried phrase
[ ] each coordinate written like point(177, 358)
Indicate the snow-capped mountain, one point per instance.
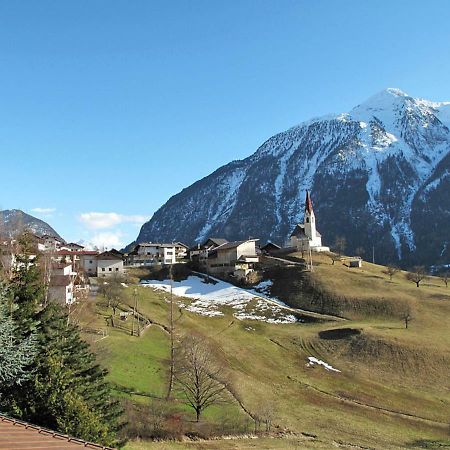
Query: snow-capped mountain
point(15, 221)
point(379, 175)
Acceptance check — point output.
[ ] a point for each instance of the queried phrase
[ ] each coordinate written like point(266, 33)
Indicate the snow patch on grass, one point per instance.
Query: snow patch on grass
point(319, 362)
point(210, 298)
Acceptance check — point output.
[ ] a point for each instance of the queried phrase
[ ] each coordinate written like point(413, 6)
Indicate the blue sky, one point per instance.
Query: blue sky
point(107, 108)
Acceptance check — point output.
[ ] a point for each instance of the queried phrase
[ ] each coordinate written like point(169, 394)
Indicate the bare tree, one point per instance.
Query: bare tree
point(417, 274)
point(406, 315)
point(340, 244)
point(110, 287)
point(391, 271)
point(444, 278)
point(334, 257)
point(264, 416)
point(198, 375)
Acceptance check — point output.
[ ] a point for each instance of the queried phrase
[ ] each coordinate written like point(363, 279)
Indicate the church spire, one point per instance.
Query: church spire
point(308, 203)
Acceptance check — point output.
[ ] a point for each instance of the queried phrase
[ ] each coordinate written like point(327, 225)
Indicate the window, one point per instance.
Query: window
point(307, 220)
point(117, 269)
point(110, 269)
point(169, 253)
point(90, 262)
point(103, 269)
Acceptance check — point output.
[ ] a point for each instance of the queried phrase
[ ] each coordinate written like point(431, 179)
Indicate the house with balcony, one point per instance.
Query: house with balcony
point(152, 253)
point(236, 258)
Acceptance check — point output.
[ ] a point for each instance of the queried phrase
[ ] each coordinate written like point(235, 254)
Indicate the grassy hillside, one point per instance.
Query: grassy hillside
point(392, 391)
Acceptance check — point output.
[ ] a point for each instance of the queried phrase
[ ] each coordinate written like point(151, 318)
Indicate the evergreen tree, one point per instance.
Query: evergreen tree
point(16, 352)
point(68, 391)
point(27, 287)
point(65, 390)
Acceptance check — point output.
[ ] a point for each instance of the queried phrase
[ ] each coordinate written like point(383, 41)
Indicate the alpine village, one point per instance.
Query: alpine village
point(293, 297)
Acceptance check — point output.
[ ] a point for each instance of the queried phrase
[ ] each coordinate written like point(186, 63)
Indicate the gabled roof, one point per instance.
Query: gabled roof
point(155, 244)
point(299, 230)
point(74, 244)
point(18, 435)
point(230, 245)
point(111, 254)
point(180, 244)
point(215, 241)
point(60, 280)
point(270, 245)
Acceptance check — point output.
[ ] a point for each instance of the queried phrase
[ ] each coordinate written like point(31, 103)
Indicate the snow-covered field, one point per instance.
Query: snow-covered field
point(210, 299)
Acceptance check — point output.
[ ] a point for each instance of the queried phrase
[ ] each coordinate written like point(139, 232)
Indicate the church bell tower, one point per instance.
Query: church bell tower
point(310, 219)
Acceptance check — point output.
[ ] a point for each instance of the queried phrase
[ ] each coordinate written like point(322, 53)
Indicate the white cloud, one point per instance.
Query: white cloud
point(98, 220)
point(107, 239)
point(43, 210)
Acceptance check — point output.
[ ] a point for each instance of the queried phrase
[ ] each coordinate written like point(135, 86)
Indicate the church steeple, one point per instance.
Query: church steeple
point(309, 220)
point(308, 203)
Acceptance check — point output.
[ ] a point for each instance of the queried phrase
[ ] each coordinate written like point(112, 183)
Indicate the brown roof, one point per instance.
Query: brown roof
point(215, 241)
point(270, 245)
point(18, 435)
point(60, 280)
point(299, 230)
point(76, 253)
point(230, 245)
point(111, 254)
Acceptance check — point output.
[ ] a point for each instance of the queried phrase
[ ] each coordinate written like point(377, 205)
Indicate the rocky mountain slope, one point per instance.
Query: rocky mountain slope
point(15, 221)
point(379, 175)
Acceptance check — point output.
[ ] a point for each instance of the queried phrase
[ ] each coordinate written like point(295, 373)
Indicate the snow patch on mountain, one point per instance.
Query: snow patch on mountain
point(369, 163)
point(229, 188)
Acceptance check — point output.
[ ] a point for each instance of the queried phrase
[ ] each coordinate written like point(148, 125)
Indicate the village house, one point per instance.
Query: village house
point(61, 287)
point(233, 258)
point(305, 236)
point(88, 261)
point(199, 253)
point(109, 263)
point(72, 246)
point(181, 250)
point(152, 253)
point(270, 249)
point(51, 243)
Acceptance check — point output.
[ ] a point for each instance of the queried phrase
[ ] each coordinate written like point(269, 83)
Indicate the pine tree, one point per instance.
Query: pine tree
point(27, 288)
point(68, 391)
point(16, 352)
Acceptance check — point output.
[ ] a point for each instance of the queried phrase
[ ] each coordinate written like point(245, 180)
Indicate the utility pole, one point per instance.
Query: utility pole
point(373, 254)
point(310, 260)
point(134, 310)
point(172, 344)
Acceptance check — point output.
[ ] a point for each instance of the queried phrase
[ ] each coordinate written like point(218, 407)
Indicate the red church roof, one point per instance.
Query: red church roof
point(308, 203)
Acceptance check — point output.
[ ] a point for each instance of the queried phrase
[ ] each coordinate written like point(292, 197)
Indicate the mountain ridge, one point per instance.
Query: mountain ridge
point(369, 171)
point(15, 221)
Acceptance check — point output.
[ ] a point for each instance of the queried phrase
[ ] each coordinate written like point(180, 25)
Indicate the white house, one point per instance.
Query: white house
point(61, 288)
point(109, 263)
point(181, 250)
point(72, 246)
point(51, 243)
point(305, 236)
point(151, 253)
point(88, 261)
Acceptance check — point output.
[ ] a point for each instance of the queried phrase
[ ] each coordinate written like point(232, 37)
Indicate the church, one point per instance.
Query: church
point(305, 236)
